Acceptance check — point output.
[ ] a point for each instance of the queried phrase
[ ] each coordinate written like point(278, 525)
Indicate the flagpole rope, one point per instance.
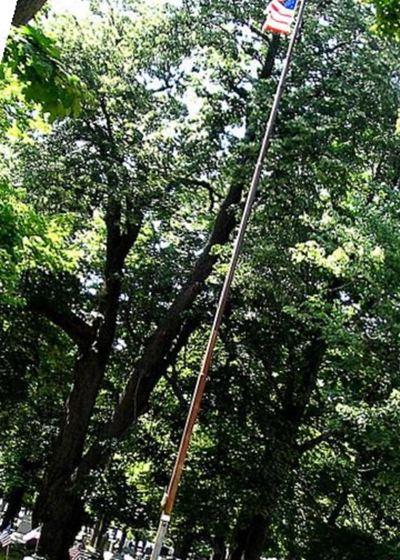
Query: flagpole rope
point(170, 496)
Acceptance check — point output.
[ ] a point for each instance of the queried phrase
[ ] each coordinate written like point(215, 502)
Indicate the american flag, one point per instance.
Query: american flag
point(77, 553)
point(280, 15)
point(5, 537)
point(33, 535)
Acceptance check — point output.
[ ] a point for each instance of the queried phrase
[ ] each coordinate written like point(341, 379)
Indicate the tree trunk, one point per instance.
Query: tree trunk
point(281, 458)
point(122, 541)
point(219, 551)
point(14, 505)
point(59, 530)
point(239, 545)
point(184, 546)
point(291, 545)
point(98, 531)
point(26, 10)
point(250, 539)
point(58, 506)
point(256, 537)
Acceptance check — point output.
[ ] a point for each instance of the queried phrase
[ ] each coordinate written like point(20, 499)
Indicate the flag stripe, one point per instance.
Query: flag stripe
point(5, 537)
point(276, 28)
point(277, 17)
point(280, 15)
point(278, 7)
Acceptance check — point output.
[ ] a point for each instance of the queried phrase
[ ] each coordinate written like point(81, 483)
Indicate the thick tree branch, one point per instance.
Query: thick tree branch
point(76, 328)
point(268, 65)
point(118, 246)
point(314, 442)
point(301, 378)
point(337, 510)
point(26, 10)
point(123, 227)
point(151, 366)
point(153, 362)
point(260, 33)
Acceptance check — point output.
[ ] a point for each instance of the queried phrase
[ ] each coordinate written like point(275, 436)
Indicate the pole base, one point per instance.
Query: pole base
point(161, 532)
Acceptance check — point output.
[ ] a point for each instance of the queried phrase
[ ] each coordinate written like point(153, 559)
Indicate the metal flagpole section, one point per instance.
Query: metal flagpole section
point(170, 495)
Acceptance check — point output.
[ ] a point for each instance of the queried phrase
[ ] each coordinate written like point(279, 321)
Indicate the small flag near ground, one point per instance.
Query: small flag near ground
point(77, 553)
point(280, 15)
point(32, 535)
point(5, 537)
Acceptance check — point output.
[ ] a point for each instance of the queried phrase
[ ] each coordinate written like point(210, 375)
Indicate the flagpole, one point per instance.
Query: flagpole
point(38, 539)
point(168, 501)
point(7, 551)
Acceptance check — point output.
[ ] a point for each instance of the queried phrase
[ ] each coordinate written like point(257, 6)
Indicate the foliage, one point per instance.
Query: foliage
point(388, 17)
point(30, 243)
point(349, 544)
point(32, 69)
point(300, 420)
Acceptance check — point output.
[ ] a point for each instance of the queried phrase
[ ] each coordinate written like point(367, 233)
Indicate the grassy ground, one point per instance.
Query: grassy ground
point(14, 555)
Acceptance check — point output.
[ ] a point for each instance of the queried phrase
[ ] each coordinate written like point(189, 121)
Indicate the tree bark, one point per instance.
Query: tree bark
point(57, 506)
point(219, 550)
point(337, 510)
point(26, 10)
point(98, 531)
point(184, 546)
point(155, 357)
point(239, 545)
point(250, 539)
point(59, 529)
point(257, 536)
point(14, 504)
point(279, 463)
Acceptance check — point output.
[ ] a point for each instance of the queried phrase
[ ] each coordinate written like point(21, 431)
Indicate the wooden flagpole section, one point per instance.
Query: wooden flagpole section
point(170, 495)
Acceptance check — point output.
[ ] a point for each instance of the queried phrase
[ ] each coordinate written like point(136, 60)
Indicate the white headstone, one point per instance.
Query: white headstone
point(24, 525)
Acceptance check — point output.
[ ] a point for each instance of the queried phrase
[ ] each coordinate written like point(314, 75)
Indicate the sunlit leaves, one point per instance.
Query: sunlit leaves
point(388, 17)
point(29, 242)
point(34, 60)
